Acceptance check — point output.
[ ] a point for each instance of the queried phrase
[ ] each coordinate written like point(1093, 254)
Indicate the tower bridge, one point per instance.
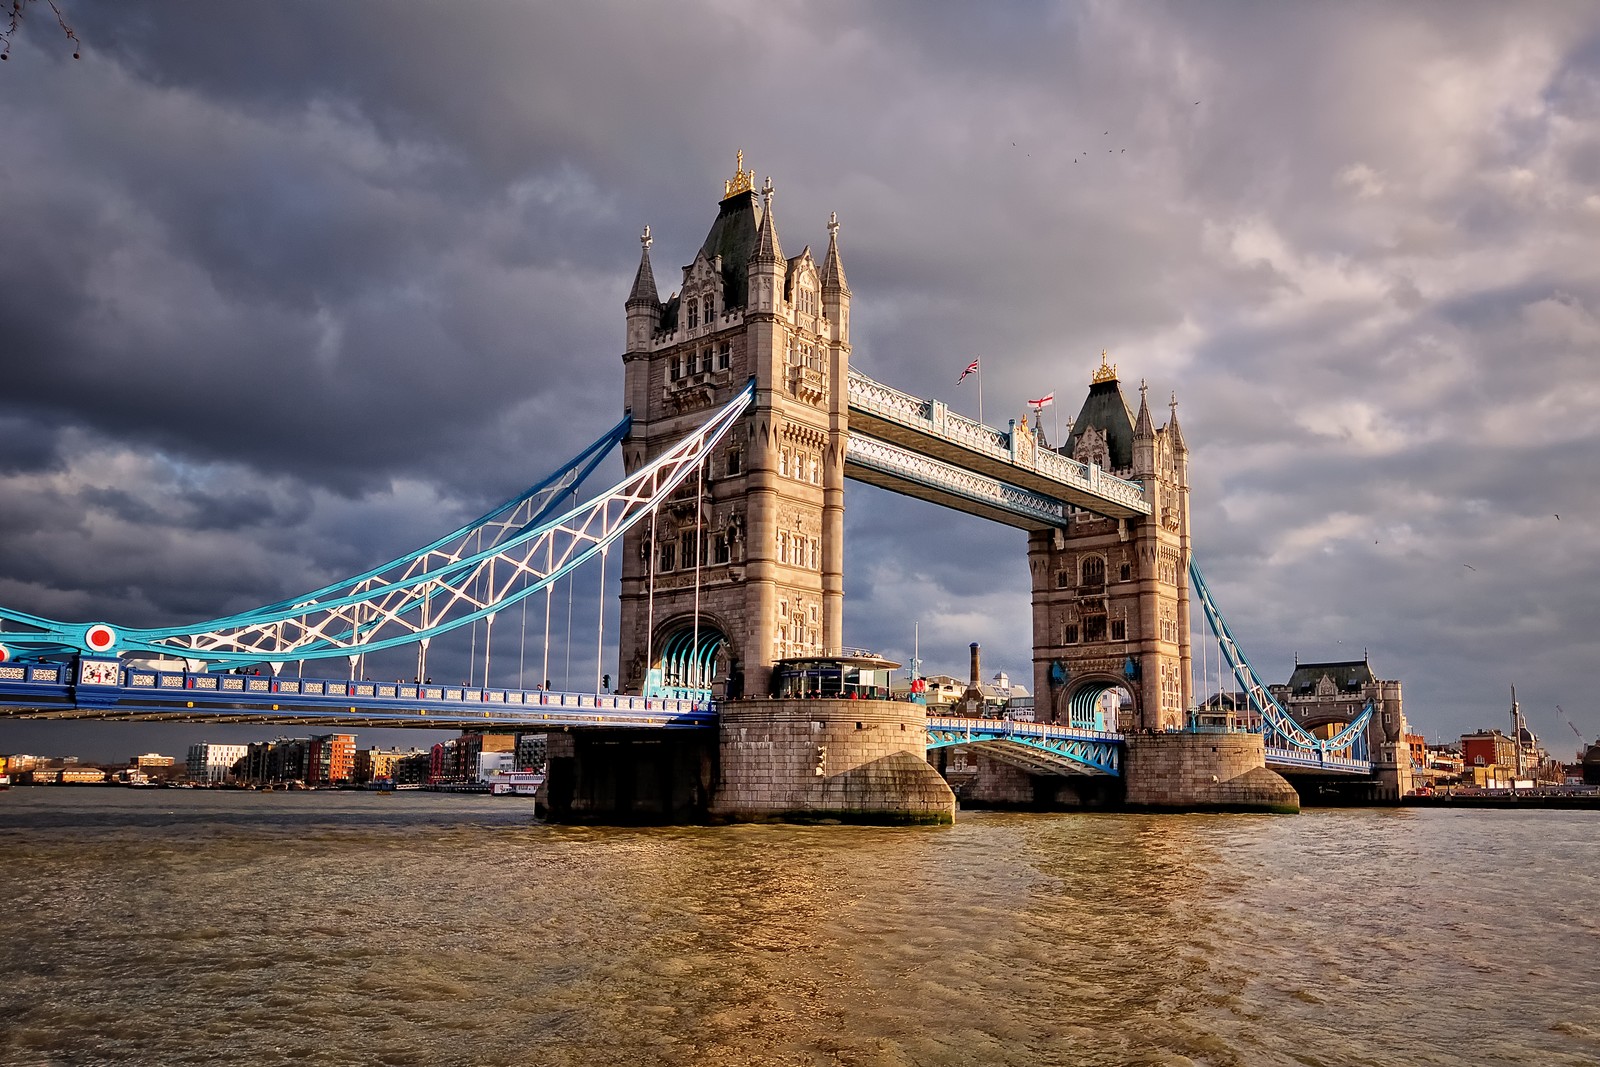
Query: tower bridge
point(742, 423)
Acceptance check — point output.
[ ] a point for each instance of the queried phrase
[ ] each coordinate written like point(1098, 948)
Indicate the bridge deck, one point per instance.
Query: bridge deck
point(1294, 761)
point(49, 691)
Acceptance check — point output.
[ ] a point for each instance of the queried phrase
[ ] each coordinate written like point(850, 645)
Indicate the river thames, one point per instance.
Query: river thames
point(187, 927)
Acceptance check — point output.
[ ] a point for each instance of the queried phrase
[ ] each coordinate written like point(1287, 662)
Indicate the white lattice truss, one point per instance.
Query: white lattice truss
point(473, 573)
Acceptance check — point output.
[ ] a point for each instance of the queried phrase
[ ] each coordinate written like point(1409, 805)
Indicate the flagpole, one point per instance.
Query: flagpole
point(1056, 414)
point(980, 392)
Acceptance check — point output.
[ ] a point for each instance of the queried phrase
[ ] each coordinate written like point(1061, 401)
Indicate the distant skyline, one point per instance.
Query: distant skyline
point(287, 290)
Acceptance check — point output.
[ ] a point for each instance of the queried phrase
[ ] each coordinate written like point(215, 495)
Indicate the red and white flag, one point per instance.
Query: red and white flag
point(972, 368)
point(1043, 402)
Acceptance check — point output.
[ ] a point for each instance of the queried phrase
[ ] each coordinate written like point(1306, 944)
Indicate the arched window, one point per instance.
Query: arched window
point(711, 314)
point(1094, 571)
point(692, 310)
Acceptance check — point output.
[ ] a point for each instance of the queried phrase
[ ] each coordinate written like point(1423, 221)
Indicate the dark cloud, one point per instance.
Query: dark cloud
point(287, 290)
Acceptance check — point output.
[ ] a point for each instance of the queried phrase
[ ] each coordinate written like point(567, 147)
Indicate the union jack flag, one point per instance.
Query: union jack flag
point(972, 368)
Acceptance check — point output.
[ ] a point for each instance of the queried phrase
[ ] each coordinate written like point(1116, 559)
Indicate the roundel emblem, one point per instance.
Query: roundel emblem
point(99, 637)
point(5, 653)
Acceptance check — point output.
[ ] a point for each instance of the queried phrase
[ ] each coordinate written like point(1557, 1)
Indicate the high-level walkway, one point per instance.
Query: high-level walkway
point(923, 449)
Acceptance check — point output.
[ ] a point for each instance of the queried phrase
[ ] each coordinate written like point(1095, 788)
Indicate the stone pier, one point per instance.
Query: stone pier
point(823, 760)
point(1203, 772)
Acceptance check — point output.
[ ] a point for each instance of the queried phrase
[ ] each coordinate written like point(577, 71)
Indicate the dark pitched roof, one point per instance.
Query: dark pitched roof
point(1106, 410)
point(1347, 677)
point(733, 237)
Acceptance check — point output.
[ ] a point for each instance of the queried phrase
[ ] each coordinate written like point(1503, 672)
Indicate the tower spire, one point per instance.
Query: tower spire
point(1172, 427)
point(832, 269)
point(741, 180)
point(1143, 427)
point(1107, 371)
point(767, 249)
point(644, 282)
point(1144, 436)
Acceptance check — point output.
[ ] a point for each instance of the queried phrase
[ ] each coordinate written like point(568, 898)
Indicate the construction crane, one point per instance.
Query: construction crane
point(1575, 732)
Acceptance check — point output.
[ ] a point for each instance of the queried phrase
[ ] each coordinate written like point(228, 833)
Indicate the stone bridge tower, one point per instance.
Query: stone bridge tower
point(745, 565)
point(1111, 596)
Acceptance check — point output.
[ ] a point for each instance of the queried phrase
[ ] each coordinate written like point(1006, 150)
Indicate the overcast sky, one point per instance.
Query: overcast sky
point(288, 289)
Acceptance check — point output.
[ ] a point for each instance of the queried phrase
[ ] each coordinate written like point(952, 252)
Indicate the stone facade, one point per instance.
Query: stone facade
point(1203, 772)
point(1111, 596)
point(1332, 694)
point(851, 760)
point(766, 521)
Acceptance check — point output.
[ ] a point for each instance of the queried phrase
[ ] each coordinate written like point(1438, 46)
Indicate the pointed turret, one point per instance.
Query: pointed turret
point(644, 305)
point(832, 269)
point(1174, 434)
point(767, 267)
point(1144, 437)
point(644, 282)
point(768, 252)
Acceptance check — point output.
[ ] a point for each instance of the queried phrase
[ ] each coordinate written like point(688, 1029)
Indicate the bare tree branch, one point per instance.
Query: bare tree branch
point(13, 19)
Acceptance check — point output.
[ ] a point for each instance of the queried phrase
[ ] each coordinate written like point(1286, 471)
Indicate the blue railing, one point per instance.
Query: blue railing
point(119, 691)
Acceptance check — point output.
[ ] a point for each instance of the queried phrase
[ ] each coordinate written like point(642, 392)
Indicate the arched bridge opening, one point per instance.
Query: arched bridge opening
point(694, 661)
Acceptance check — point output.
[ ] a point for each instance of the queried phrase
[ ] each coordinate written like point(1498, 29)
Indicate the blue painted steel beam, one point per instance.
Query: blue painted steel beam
point(1066, 749)
point(1282, 733)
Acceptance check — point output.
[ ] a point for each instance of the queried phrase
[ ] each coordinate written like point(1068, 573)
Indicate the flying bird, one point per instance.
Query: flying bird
point(1469, 566)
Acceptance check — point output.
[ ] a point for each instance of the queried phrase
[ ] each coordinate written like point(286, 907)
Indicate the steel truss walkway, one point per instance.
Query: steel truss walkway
point(1013, 460)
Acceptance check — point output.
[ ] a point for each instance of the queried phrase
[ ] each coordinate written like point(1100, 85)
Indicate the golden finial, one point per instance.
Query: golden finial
point(742, 180)
point(1106, 373)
